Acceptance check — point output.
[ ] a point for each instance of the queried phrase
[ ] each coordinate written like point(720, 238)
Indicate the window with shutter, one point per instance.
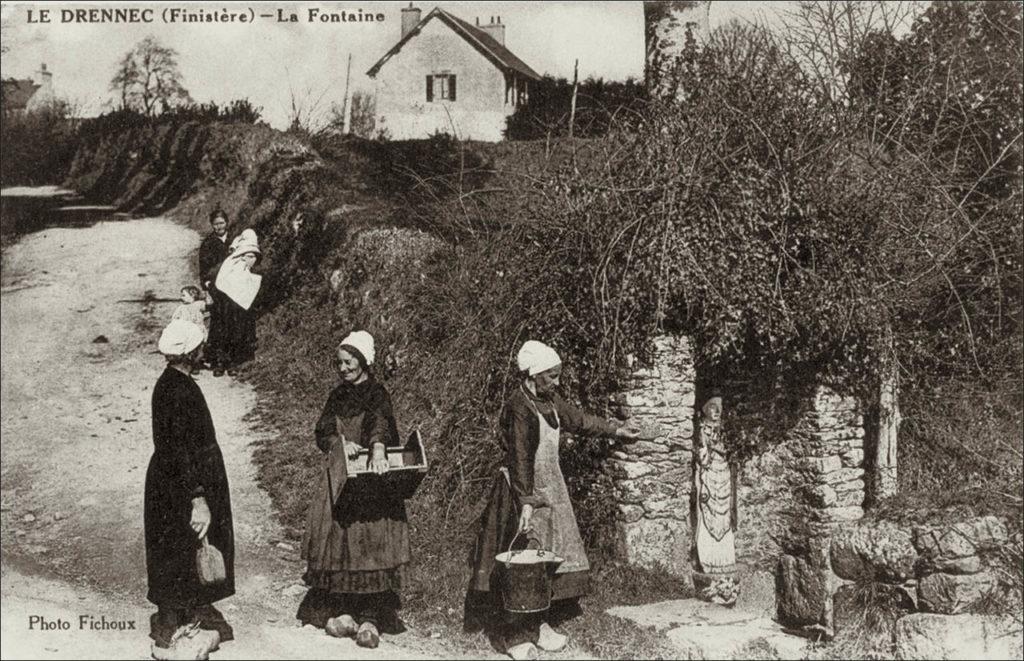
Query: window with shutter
point(441, 87)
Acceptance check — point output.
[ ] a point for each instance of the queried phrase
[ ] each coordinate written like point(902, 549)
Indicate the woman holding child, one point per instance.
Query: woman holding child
point(238, 287)
point(529, 498)
point(356, 544)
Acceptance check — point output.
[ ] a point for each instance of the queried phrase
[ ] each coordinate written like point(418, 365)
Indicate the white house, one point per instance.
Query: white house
point(447, 76)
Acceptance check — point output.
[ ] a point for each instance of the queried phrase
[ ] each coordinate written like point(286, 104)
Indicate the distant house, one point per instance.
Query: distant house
point(19, 96)
point(445, 75)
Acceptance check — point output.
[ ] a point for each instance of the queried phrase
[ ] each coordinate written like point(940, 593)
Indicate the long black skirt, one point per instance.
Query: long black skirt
point(171, 544)
point(232, 339)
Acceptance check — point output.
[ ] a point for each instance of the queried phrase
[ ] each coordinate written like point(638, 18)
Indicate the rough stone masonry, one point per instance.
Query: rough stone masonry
point(653, 478)
point(807, 485)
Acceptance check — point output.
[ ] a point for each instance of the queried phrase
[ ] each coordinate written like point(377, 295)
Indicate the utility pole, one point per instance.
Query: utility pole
point(575, 86)
point(346, 115)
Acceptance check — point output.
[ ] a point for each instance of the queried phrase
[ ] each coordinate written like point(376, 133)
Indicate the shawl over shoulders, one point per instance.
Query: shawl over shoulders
point(369, 398)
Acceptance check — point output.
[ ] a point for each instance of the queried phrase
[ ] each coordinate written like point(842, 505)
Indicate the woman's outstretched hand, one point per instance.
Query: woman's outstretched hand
point(627, 433)
point(379, 459)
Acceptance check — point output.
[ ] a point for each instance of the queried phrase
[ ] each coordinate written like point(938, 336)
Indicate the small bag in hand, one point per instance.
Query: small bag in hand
point(209, 564)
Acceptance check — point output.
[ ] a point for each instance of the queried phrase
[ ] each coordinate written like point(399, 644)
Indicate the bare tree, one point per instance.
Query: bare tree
point(306, 110)
point(148, 79)
point(825, 36)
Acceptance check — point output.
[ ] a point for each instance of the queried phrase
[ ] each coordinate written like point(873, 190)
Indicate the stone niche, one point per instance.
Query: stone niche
point(804, 487)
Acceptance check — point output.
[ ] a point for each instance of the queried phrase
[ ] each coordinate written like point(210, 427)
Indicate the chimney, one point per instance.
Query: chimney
point(496, 29)
point(410, 19)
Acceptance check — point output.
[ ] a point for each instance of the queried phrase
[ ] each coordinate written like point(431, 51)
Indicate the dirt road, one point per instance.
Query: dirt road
point(78, 368)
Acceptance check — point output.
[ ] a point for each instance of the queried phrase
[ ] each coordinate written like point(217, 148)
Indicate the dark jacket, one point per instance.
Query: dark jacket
point(186, 463)
point(212, 252)
point(520, 434)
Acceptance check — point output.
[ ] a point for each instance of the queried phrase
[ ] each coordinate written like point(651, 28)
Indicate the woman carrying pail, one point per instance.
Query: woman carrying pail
point(529, 500)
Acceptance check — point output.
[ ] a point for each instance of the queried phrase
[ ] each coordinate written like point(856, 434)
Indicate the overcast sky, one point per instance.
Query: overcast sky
point(267, 61)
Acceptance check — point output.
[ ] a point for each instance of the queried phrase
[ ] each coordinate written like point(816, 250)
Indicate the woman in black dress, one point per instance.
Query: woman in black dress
point(186, 498)
point(356, 543)
point(238, 289)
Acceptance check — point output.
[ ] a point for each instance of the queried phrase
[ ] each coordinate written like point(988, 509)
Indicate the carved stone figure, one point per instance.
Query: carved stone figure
point(715, 491)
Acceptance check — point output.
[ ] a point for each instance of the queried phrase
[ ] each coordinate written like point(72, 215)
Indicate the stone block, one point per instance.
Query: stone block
point(852, 498)
point(840, 514)
point(821, 495)
point(643, 399)
point(634, 469)
point(855, 486)
point(802, 591)
point(843, 475)
point(970, 564)
point(833, 425)
point(942, 543)
point(677, 508)
point(823, 465)
point(656, 542)
point(680, 445)
point(630, 513)
point(698, 630)
point(853, 458)
point(644, 489)
point(643, 448)
point(879, 551)
point(950, 594)
point(930, 636)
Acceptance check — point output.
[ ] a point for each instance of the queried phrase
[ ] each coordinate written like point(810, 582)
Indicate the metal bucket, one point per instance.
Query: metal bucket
point(526, 584)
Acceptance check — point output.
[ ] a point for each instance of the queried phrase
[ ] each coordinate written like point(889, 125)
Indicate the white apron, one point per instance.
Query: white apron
point(554, 523)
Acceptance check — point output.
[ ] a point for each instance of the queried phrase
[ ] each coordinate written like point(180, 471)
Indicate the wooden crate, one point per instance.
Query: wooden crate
point(407, 466)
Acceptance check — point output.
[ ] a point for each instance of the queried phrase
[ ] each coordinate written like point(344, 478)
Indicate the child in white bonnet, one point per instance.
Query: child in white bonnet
point(192, 308)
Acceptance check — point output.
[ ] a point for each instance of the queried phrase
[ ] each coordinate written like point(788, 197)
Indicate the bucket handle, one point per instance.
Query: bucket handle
point(510, 553)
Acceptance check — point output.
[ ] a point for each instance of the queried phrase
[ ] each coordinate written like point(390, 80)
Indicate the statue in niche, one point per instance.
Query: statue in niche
point(715, 492)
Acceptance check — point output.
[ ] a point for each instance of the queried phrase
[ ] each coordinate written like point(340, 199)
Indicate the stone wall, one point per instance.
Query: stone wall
point(768, 506)
point(829, 444)
point(804, 486)
point(653, 478)
point(943, 569)
point(827, 450)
